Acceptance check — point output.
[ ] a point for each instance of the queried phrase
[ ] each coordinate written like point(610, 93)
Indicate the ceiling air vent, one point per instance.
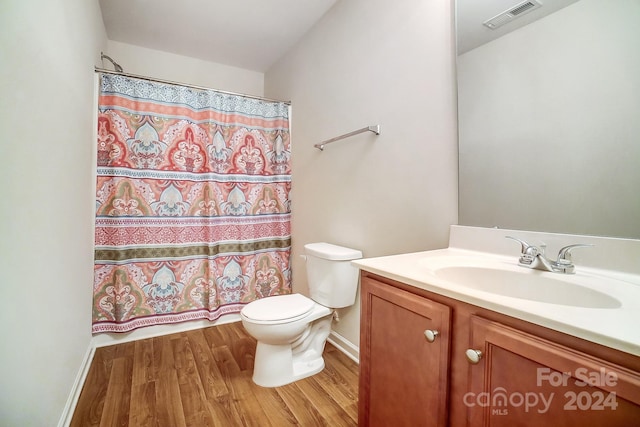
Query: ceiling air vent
point(512, 13)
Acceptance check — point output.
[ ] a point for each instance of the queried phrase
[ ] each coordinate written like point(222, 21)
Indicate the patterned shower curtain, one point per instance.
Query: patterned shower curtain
point(192, 203)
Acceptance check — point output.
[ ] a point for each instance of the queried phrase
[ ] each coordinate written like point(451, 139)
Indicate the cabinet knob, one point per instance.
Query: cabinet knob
point(431, 334)
point(473, 356)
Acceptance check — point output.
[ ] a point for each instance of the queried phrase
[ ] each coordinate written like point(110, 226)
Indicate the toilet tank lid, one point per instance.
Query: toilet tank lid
point(331, 252)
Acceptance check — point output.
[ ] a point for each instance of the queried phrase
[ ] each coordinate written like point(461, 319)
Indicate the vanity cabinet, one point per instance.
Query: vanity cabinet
point(522, 379)
point(483, 368)
point(406, 338)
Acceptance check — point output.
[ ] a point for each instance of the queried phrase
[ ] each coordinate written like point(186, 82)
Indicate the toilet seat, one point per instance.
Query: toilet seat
point(278, 309)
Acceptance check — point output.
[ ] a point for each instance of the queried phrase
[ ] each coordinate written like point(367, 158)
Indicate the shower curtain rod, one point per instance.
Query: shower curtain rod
point(153, 79)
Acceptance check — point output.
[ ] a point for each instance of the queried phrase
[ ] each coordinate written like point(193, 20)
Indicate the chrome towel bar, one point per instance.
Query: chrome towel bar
point(375, 129)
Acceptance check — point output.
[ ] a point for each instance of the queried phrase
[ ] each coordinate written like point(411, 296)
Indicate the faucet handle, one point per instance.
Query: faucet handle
point(524, 244)
point(526, 249)
point(564, 254)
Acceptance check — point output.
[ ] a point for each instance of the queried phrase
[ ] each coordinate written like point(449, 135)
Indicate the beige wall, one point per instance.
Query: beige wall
point(47, 53)
point(182, 69)
point(372, 62)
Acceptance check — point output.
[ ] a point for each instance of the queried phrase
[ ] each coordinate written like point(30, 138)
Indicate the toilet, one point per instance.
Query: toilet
point(291, 330)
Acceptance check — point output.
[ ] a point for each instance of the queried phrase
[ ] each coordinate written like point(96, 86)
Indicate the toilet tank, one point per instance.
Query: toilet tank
point(332, 280)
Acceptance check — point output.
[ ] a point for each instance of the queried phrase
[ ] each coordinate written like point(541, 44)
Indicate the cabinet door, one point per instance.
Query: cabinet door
point(523, 380)
point(403, 371)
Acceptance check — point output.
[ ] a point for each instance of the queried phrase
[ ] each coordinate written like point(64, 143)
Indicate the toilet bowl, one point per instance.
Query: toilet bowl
point(291, 330)
point(290, 342)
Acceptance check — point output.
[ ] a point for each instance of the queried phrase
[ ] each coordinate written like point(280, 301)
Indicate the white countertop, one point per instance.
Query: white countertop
point(618, 327)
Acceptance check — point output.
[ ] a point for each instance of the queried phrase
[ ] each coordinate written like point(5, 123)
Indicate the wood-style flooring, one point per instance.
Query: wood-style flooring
point(203, 378)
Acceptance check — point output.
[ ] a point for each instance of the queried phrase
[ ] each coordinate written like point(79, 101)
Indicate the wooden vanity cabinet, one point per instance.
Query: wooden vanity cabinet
point(525, 375)
point(404, 358)
point(524, 380)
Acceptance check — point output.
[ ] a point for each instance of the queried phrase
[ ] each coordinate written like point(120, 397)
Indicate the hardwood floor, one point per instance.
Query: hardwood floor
point(203, 378)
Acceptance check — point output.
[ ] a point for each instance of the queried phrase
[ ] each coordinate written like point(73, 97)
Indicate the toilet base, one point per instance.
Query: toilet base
point(282, 369)
point(278, 365)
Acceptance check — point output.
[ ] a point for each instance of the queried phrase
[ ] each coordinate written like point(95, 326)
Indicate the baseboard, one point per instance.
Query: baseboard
point(344, 345)
point(72, 401)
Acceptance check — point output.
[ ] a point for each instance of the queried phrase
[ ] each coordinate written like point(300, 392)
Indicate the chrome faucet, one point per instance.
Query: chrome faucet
point(534, 257)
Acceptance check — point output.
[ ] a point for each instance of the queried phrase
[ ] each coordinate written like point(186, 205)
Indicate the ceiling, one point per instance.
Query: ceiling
point(254, 34)
point(249, 34)
point(472, 13)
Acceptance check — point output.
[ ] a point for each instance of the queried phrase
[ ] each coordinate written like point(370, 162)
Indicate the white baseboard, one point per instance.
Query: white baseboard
point(347, 347)
point(76, 389)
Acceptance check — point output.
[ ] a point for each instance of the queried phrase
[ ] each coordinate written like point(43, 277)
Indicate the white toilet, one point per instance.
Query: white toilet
point(291, 330)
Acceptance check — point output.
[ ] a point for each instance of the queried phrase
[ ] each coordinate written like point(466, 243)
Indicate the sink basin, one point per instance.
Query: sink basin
point(526, 284)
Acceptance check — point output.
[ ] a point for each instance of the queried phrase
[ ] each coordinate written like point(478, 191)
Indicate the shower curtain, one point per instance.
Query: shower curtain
point(192, 203)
